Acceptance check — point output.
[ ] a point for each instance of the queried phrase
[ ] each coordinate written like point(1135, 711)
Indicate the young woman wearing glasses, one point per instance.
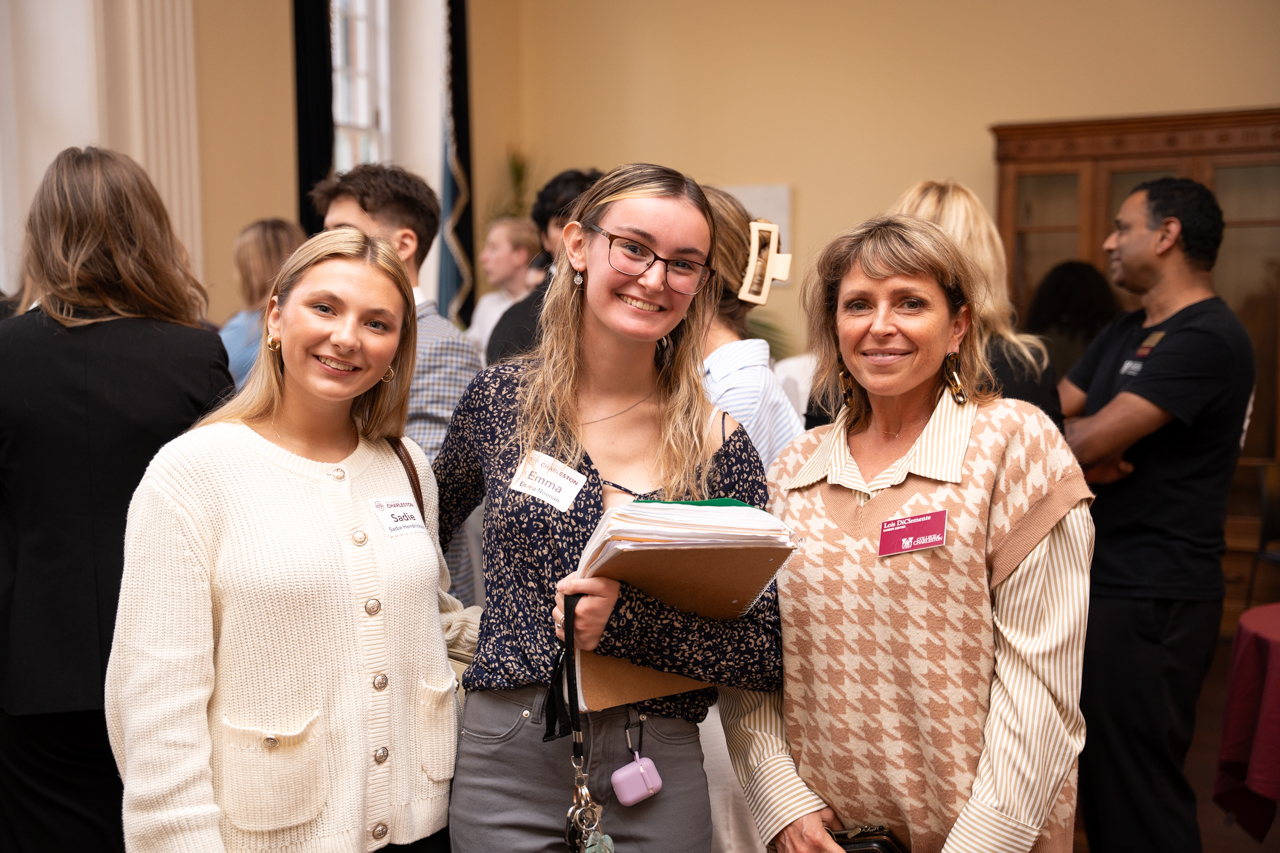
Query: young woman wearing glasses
point(612, 396)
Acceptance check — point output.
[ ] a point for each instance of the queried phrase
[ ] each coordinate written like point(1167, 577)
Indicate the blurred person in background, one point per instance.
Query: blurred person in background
point(111, 363)
point(399, 206)
point(1019, 362)
point(516, 333)
point(512, 242)
point(737, 373)
point(259, 251)
point(1159, 405)
point(1072, 305)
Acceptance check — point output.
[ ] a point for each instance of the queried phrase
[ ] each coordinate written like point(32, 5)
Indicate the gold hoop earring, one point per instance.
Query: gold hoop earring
point(846, 381)
point(273, 344)
point(951, 373)
point(389, 375)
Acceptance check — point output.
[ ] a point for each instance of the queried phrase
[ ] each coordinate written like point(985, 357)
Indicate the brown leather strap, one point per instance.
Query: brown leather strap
point(409, 468)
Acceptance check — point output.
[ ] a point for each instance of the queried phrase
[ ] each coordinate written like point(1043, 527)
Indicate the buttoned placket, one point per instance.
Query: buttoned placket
point(369, 603)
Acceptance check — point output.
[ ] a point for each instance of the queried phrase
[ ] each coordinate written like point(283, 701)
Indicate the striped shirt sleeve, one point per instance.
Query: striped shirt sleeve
point(757, 739)
point(1034, 729)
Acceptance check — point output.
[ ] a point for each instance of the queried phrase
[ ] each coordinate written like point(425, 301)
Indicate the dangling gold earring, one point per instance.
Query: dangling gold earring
point(846, 381)
point(951, 373)
point(273, 344)
point(389, 375)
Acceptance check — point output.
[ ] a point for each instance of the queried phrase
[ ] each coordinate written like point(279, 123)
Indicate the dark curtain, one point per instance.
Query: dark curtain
point(457, 295)
point(313, 66)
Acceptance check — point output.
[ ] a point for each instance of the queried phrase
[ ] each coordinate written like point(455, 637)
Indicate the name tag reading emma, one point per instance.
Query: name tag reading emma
point(400, 515)
point(548, 479)
point(900, 535)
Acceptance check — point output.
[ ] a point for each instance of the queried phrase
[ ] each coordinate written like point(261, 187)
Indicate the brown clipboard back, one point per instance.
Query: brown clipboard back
point(716, 582)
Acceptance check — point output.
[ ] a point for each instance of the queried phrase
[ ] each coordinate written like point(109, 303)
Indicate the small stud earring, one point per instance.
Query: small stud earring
point(389, 375)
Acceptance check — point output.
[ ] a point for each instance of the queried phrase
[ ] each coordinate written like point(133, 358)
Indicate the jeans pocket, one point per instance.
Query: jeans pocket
point(491, 719)
point(274, 779)
point(670, 730)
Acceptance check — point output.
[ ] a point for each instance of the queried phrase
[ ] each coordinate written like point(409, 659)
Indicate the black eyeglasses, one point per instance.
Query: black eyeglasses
point(631, 257)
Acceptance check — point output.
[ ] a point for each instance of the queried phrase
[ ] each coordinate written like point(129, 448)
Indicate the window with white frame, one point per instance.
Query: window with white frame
point(361, 72)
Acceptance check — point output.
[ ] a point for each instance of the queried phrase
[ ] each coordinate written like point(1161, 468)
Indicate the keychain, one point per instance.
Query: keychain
point(582, 830)
point(638, 780)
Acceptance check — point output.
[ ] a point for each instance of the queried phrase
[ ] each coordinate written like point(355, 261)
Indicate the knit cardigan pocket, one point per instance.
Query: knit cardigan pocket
point(274, 780)
point(438, 729)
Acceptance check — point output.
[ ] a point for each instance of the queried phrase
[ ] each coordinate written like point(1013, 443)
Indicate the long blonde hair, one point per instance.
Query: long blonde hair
point(99, 245)
point(260, 250)
point(891, 245)
point(956, 210)
point(377, 413)
point(548, 398)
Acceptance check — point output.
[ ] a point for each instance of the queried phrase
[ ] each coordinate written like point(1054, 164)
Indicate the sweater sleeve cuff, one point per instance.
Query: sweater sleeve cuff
point(982, 829)
point(777, 796)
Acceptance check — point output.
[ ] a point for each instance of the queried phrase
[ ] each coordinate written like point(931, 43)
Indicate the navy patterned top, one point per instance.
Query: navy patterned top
point(529, 545)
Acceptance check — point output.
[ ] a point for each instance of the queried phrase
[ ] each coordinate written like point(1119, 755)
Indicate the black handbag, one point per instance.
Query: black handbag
point(868, 839)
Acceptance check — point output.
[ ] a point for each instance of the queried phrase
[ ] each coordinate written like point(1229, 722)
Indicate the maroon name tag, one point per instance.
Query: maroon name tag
point(900, 535)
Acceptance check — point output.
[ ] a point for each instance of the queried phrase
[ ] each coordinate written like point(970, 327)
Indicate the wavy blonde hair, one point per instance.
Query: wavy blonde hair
point(891, 245)
point(956, 210)
point(548, 397)
point(377, 413)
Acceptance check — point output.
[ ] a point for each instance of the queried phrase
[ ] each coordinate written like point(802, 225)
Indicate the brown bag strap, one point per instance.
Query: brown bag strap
point(409, 468)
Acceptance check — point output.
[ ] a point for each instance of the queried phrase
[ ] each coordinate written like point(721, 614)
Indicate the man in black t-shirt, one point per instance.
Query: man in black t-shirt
point(1161, 401)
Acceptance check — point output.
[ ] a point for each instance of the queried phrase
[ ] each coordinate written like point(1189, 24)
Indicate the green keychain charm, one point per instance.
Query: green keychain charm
point(597, 842)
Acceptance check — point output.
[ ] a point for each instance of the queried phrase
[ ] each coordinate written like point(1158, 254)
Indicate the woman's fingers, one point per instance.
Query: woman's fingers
point(808, 835)
point(599, 595)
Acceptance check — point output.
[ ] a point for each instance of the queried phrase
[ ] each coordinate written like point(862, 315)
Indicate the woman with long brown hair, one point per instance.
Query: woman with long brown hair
point(106, 361)
point(611, 400)
point(280, 680)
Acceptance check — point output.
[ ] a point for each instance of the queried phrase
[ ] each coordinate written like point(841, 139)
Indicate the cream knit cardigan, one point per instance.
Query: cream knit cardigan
point(273, 639)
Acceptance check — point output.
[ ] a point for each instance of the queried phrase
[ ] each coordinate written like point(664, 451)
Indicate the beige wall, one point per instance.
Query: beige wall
point(248, 159)
point(848, 102)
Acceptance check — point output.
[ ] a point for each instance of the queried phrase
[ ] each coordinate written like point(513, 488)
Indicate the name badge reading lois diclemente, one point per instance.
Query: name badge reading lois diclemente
point(900, 535)
point(399, 514)
point(548, 479)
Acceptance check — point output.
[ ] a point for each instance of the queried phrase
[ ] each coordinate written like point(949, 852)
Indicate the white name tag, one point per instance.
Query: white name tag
point(548, 479)
point(400, 515)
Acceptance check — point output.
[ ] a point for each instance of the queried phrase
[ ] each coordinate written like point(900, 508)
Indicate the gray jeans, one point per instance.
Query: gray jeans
point(511, 791)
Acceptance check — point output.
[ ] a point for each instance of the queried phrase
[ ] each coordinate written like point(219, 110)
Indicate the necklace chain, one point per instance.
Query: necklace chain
point(623, 412)
point(283, 440)
point(902, 428)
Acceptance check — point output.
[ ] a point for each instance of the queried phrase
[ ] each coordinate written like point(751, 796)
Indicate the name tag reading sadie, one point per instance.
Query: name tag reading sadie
point(548, 479)
point(900, 535)
point(400, 515)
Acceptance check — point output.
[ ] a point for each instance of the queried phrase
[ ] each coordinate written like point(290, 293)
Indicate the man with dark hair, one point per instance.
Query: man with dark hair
point(517, 332)
point(1160, 401)
point(397, 205)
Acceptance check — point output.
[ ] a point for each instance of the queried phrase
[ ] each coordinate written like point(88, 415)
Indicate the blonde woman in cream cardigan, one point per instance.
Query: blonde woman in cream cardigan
point(933, 621)
point(279, 677)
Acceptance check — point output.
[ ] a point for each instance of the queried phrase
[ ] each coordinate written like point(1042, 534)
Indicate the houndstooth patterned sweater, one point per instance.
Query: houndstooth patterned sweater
point(934, 691)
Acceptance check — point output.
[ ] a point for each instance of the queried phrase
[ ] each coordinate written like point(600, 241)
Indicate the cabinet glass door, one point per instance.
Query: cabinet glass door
point(1048, 216)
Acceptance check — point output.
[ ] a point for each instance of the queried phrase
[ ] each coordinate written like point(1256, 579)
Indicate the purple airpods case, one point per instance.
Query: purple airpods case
point(636, 781)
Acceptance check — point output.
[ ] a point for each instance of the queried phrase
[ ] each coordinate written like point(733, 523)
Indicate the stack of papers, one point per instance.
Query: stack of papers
point(712, 558)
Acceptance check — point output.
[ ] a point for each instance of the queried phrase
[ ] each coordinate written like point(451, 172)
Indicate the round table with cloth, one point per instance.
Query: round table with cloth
point(1248, 783)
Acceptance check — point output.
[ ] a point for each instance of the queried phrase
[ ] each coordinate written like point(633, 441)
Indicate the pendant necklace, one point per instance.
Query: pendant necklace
point(623, 412)
point(901, 429)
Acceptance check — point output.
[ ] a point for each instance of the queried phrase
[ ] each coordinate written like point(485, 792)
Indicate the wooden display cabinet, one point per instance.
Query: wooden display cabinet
point(1060, 185)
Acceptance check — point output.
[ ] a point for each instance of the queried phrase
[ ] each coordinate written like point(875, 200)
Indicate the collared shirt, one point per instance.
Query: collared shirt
point(738, 379)
point(446, 364)
point(1034, 729)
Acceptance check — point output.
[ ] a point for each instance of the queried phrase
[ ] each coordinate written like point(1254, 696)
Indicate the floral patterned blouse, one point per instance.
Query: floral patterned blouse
point(529, 545)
